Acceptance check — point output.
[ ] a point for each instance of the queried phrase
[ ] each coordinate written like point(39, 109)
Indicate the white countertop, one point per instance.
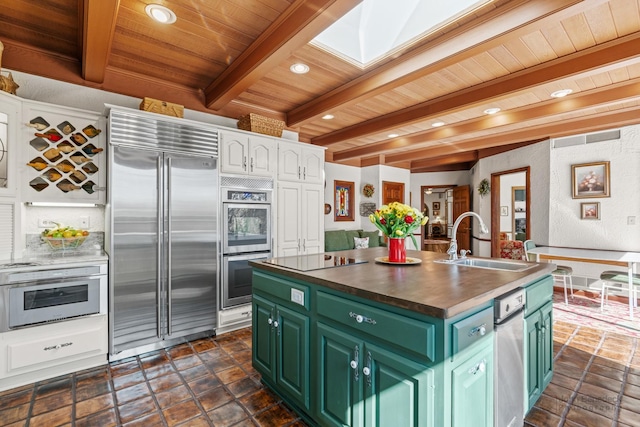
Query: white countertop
point(593, 254)
point(40, 261)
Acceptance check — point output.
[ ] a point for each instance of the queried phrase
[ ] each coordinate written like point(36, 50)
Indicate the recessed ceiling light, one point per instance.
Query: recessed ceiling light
point(561, 93)
point(491, 110)
point(299, 68)
point(393, 135)
point(327, 117)
point(160, 13)
point(437, 124)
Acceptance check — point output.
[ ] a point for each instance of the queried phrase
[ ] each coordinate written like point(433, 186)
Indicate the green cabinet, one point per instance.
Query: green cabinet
point(281, 348)
point(538, 339)
point(362, 384)
point(538, 349)
point(472, 388)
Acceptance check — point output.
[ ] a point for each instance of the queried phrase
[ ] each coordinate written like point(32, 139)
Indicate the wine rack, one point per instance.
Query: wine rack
point(64, 154)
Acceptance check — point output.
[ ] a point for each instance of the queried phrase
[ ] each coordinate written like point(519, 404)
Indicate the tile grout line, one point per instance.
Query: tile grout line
point(573, 396)
point(31, 403)
point(566, 343)
point(116, 407)
point(153, 395)
point(627, 368)
point(73, 399)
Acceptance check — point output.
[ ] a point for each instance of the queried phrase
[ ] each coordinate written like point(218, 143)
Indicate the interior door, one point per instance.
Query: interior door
point(461, 204)
point(134, 275)
point(191, 218)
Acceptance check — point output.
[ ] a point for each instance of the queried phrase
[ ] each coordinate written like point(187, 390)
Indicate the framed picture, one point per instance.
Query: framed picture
point(504, 210)
point(436, 213)
point(343, 202)
point(590, 210)
point(436, 206)
point(590, 180)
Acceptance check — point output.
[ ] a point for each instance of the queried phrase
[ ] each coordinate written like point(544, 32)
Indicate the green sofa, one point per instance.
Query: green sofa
point(341, 240)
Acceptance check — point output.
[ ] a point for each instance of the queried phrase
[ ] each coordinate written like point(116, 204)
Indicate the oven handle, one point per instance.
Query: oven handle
point(169, 315)
point(159, 245)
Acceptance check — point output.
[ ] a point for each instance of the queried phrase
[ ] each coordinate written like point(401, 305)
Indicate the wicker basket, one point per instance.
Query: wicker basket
point(162, 107)
point(260, 124)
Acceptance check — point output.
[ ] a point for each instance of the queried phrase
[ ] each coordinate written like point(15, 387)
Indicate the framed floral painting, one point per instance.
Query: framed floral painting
point(343, 201)
point(590, 210)
point(590, 180)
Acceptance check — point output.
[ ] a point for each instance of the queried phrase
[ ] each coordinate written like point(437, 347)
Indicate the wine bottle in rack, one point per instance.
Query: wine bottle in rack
point(80, 158)
point(67, 186)
point(92, 150)
point(53, 175)
point(37, 126)
point(37, 165)
point(50, 136)
point(64, 167)
point(52, 154)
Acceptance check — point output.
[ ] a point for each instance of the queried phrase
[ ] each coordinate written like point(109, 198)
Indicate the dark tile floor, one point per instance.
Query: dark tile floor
point(211, 382)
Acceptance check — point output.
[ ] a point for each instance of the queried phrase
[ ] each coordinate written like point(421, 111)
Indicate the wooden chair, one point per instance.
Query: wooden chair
point(563, 272)
point(619, 280)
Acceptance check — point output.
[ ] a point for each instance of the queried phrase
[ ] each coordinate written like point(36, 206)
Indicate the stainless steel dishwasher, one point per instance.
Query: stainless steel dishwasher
point(508, 383)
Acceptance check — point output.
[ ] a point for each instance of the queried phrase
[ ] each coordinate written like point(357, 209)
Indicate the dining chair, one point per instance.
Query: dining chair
point(563, 272)
point(619, 281)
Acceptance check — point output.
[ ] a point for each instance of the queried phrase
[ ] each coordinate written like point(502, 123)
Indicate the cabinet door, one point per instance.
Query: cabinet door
point(532, 362)
point(10, 108)
point(313, 165)
point(546, 344)
point(292, 336)
point(264, 349)
point(472, 390)
point(289, 219)
point(262, 158)
point(398, 391)
point(339, 400)
point(289, 161)
point(312, 221)
point(233, 152)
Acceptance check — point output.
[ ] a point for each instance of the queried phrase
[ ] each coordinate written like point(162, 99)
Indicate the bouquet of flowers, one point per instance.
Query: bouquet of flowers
point(398, 220)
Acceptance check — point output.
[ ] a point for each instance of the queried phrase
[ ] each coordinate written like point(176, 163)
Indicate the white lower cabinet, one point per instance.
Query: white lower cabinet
point(300, 221)
point(234, 318)
point(36, 353)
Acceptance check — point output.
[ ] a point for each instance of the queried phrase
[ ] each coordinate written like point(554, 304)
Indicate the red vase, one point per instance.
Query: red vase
point(397, 250)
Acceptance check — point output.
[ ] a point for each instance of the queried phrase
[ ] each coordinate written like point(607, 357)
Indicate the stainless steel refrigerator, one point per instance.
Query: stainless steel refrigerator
point(162, 239)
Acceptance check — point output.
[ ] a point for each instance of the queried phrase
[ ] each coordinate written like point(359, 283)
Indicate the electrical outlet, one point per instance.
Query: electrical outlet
point(297, 296)
point(46, 223)
point(631, 220)
point(84, 222)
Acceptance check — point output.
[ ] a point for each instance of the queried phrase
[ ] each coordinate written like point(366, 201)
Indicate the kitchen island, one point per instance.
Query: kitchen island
point(375, 344)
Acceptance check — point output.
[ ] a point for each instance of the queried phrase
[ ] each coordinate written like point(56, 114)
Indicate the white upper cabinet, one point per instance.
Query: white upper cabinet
point(10, 109)
point(300, 162)
point(245, 154)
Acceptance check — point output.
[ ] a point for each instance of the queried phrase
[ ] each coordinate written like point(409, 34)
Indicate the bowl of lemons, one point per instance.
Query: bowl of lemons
point(64, 237)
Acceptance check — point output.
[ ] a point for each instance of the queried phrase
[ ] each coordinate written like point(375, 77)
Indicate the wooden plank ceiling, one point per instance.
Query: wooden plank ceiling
point(230, 57)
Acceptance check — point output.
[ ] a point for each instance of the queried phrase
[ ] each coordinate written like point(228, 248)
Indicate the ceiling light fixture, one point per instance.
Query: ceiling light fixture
point(160, 13)
point(327, 117)
point(561, 93)
point(491, 110)
point(299, 68)
point(437, 124)
point(429, 191)
point(393, 135)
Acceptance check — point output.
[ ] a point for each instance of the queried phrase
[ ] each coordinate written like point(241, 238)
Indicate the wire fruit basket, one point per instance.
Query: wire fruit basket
point(57, 243)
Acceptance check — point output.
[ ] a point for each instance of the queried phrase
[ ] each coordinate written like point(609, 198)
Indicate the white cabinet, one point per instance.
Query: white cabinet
point(300, 221)
point(247, 154)
point(63, 154)
point(33, 354)
point(10, 109)
point(300, 162)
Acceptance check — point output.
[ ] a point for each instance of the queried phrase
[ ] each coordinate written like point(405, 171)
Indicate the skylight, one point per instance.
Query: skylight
point(374, 28)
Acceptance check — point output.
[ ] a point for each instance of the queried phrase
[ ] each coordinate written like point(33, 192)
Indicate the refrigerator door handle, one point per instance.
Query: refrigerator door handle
point(159, 247)
point(169, 316)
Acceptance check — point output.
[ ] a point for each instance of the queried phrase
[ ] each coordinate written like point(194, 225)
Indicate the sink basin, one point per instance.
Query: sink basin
point(490, 264)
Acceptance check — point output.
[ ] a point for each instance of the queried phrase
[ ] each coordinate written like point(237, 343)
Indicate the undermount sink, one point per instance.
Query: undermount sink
point(490, 264)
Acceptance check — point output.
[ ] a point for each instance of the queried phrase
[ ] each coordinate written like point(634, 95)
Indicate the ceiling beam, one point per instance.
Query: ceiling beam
point(589, 60)
point(98, 27)
point(295, 27)
point(467, 156)
point(597, 97)
point(560, 128)
point(511, 20)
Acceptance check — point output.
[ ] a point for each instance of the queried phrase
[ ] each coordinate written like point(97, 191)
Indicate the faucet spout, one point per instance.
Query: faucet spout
point(453, 246)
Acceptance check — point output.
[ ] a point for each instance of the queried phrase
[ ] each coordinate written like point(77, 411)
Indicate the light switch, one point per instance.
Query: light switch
point(297, 296)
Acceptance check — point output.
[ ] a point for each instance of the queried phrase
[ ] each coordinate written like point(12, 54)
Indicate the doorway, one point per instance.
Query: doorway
point(442, 204)
point(510, 203)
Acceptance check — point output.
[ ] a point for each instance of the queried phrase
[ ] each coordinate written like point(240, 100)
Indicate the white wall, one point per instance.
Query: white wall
point(611, 231)
point(537, 156)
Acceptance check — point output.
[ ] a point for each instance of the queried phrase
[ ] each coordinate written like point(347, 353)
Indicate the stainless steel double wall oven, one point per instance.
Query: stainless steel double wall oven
point(246, 233)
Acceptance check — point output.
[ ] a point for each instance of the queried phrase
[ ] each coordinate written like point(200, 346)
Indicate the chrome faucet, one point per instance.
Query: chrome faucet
point(453, 246)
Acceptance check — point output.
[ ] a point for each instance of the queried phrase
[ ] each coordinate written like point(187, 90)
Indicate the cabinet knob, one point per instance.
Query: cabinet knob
point(359, 318)
point(366, 371)
point(270, 321)
point(275, 324)
point(354, 364)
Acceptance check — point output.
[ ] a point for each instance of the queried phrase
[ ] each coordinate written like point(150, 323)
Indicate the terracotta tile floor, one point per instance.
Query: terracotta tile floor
point(211, 382)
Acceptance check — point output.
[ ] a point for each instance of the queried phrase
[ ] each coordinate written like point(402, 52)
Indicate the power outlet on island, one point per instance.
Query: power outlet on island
point(297, 296)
